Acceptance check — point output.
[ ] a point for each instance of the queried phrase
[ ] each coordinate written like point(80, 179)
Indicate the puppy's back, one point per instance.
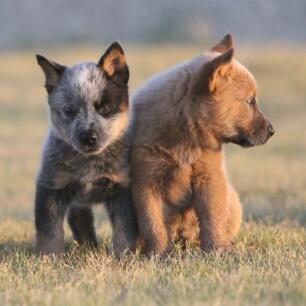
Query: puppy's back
point(160, 98)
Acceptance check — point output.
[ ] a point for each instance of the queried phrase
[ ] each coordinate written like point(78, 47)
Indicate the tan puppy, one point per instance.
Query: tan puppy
point(182, 118)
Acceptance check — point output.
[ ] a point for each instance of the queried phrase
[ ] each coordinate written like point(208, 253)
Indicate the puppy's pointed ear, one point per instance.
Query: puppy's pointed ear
point(113, 63)
point(211, 73)
point(226, 43)
point(52, 71)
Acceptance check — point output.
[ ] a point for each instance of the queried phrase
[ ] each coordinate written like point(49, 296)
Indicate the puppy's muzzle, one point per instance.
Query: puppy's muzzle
point(88, 138)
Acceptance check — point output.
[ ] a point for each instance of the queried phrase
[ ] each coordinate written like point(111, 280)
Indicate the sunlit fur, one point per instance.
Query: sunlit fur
point(181, 119)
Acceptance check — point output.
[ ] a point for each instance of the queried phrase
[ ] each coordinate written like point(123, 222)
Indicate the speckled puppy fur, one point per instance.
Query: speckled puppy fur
point(85, 157)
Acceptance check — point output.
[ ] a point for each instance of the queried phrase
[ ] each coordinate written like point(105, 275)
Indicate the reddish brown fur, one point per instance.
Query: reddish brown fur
point(181, 119)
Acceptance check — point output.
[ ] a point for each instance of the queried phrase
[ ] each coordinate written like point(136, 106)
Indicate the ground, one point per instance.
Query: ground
point(268, 264)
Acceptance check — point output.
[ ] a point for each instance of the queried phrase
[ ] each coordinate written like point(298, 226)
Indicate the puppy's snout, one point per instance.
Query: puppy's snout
point(88, 138)
point(270, 130)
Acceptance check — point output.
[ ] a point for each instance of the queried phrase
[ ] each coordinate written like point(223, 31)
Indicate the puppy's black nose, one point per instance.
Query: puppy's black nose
point(270, 129)
point(88, 138)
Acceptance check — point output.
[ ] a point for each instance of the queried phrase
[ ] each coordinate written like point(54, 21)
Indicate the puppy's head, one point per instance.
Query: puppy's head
point(230, 94)
point(89, 101)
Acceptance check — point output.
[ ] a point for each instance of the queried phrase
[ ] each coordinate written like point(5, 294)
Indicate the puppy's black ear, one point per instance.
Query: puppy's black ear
point(225, 44)
point(212, 73)
point(52, 71)
point(113, 63)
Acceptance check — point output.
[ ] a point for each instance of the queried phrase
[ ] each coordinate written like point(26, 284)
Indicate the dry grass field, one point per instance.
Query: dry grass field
point(268, 266)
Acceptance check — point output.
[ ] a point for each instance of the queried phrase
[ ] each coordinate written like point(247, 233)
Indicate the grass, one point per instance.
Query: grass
point(268, 265)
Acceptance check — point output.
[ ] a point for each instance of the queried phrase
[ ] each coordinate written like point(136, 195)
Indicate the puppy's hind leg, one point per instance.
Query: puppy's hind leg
point(190, 228)
point(81, 221)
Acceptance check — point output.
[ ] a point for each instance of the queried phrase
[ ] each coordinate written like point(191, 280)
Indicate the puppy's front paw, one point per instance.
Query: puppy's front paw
point(222, 247)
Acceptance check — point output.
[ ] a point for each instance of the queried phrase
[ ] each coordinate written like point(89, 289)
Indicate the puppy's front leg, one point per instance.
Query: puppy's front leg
point(50, 209)
point(152, 221)
point(123, 218)
point(211, 205)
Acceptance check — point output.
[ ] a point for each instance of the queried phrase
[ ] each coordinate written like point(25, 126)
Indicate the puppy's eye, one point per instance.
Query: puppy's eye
point(105, 106)
point(104, 109)
point(251, 101)
point(70, 112)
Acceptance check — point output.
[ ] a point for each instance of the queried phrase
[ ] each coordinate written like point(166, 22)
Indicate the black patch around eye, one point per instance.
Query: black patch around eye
point(107, 106)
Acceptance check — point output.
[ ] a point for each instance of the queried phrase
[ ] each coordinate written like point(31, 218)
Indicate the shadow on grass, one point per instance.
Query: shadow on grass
point(26, 249)
point(11, 246)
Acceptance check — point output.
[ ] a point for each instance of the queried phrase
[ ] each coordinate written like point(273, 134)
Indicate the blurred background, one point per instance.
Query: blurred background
point(24, 23)
point(271, 42)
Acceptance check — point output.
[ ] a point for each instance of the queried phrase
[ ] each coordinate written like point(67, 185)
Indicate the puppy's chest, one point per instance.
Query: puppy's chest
point(93, 188)
point(96, 191)
point(88, 172)
point(177, 187)
point(90, 169)
point(180, 181)
point(92, 180)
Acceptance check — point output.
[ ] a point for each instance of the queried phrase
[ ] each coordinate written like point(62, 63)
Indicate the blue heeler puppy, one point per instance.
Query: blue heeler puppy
point(85, 158)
